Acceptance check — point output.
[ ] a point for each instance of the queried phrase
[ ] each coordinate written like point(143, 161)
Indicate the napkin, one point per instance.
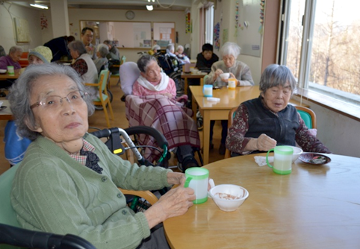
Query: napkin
point(261, 160)
point(213, 99)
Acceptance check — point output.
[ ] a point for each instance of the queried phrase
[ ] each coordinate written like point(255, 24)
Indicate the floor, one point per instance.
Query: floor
point(98, 120)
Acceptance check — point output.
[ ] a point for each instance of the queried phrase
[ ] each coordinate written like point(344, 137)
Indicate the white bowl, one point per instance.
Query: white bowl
point(3, 70)
point(225, 76)
point(297, 153)
point(232, 196)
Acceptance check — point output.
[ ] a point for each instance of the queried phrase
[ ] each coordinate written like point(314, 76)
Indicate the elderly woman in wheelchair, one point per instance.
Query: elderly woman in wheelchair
point(153, 102)
point(68, 180)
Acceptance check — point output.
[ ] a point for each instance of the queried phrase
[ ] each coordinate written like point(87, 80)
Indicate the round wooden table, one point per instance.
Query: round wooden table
point(313, 207)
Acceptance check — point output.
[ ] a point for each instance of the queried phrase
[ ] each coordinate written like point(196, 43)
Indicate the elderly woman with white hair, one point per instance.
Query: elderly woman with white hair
point(181, 56)
point(238, 70)
point(68, 180)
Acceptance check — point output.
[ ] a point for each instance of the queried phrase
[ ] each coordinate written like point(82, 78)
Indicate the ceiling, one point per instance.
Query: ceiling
point(118, 4)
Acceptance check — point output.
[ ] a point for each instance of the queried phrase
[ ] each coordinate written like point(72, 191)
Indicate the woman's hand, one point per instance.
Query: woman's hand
point(217, 73)
point(265, 143)
point(174, 203)
point(169, 95)
point(176, 178)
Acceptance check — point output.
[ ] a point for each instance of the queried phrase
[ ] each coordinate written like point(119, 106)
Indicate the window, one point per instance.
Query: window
point(321, 46)
point(209, 24)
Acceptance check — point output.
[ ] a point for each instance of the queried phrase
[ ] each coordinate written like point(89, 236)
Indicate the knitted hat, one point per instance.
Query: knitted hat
point(42, 52)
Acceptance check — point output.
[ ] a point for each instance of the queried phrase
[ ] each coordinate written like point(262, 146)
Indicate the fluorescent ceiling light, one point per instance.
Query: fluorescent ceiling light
point(149, 7)
point(41, 6)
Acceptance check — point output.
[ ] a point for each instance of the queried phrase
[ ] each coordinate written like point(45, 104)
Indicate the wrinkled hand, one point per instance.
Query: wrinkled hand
point(176, 178)
point(265, 143)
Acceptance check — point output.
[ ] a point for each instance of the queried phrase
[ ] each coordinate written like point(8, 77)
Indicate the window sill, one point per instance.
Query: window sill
point(345, 108)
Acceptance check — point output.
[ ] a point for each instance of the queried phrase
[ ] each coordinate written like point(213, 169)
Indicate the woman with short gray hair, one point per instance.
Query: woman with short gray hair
point(101, 62)
point(261, 124)
point(83, 64)
point(68, 181)
point(237, 70)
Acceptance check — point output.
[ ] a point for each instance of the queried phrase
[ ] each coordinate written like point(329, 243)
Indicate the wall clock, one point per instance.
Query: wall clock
point(129, 15)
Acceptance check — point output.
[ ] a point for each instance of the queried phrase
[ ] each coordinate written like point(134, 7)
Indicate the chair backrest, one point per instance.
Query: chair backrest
point(7, 213)
point(129, 73)
point(103, 79)
point(122, 60)
point(230, 121)
point(308, 116)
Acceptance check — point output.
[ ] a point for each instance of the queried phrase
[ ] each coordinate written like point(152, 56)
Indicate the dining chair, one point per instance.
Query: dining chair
point(306, 114)
point(103, 98)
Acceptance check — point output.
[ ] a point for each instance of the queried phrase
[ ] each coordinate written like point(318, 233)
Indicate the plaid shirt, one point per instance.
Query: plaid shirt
point(86, 147)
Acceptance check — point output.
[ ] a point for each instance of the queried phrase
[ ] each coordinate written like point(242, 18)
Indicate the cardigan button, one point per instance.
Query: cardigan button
point(119, 195)
point(124, 212)
point(103, 179)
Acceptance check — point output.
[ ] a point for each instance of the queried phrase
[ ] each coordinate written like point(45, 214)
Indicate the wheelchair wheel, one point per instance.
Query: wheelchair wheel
point(199, 121)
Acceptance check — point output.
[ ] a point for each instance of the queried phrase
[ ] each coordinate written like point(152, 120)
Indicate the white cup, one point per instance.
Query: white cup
point(198, 179)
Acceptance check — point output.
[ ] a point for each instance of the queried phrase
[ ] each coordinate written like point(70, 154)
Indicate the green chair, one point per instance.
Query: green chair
point(308, 116)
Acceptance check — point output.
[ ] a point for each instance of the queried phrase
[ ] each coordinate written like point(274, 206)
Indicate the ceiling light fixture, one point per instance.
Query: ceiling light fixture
point(151, 1)
point(40, 6)
point(149, 7)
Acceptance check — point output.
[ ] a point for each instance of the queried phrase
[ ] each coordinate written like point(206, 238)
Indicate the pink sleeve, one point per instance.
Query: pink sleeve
point(172, 87)
point(137, 89)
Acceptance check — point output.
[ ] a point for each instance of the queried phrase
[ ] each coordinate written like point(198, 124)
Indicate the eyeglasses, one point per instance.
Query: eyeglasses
point(54, 102)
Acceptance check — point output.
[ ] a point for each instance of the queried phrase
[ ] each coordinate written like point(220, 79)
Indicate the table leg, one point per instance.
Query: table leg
point(206, 136)
point(185, 86)
point(194, 107)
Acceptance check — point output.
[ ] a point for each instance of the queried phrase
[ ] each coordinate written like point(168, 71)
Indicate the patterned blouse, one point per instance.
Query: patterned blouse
point(80, 66)
point(236, 140)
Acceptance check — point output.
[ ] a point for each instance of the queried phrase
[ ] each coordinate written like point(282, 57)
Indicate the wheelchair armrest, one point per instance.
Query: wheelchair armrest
point(141, 129)
point(16, 236)
point(147, 195)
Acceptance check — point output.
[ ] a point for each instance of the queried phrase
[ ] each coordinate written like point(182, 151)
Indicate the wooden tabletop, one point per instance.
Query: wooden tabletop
point(313, 207)
point(5, 76)
point(5, 113)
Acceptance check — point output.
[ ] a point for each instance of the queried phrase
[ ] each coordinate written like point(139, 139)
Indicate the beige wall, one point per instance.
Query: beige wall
point(75, 15)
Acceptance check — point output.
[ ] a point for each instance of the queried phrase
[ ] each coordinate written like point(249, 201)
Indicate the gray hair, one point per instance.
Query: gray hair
point(157, 47)
point(77, 46)
point(15, 49)
point(179, 46)
point(230, 48)
point(21, 90)
point(170, 47)
point(103, 50)
point(108, 42)
point(275, 75)
point(144, 61)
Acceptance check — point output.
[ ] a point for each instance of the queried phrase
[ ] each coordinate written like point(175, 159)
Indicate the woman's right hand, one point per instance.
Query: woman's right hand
point(217, 73)
point(265, 143)
point(174, 203)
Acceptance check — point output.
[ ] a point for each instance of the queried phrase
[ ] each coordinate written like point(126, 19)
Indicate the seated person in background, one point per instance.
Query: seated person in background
point(238, 70)
point(157, 93)
point(83, 63)
point(40, 55)
point(113, 51)
point(206, 58)
point(59, 47)
point(101, 62)
point(12, 59)
point(154, 49)
point(261, 124)
point(15, 145)
point(180, 54)
point(2, 51)
point(68, 180)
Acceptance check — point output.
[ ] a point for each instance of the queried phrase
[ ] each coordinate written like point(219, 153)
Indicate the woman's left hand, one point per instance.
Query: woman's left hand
point(169, 95)
point(176, 178)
